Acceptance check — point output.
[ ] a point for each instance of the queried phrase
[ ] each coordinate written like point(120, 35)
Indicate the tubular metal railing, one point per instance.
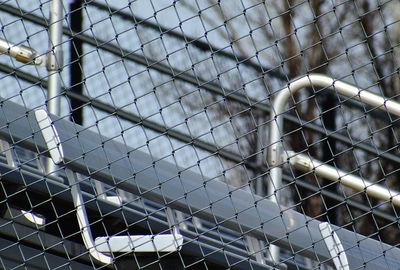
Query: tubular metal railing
point(277, 155)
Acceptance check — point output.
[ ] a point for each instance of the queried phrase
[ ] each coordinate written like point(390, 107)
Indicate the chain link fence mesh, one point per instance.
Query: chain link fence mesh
point(166, 115)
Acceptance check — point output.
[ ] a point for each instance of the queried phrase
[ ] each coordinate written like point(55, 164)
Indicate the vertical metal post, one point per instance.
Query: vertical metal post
point(274, 182)
point(55, 57)
point(75, 69)
point(54, 64)
point(261, 140)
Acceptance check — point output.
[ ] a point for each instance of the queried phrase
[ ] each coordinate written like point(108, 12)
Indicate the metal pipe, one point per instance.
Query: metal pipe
point(212, 149)
point(306, 164)
point(196, 42)
point(21, 53)
point(278, 107)
point(341, 200)
point(83, 221)
point(54, 64)
point(275, 150)
point(203, 145)
point(75, 68)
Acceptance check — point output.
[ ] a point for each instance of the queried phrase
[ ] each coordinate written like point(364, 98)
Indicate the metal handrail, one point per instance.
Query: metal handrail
point(306, 164)
point(278, 107)
point(276, 156)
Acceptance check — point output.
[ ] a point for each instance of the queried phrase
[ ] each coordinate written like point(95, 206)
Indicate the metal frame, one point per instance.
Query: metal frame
point(230, 156)
point(276, 148)
point(53, 61)
point(107, 161)
point(114, 244)
point(212, 200)
point(160, 129)
point(334, 246)
point(302, 161)
point(205, 247)
point(111, 244)
point(240, 211)
point(277, 157)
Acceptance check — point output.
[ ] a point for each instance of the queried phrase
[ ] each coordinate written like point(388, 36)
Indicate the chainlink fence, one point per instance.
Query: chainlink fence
point(201, 134)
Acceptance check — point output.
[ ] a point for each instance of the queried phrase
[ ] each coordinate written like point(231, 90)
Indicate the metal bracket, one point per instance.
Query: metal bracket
point(334, 246)
point(11, 161)
point(275, 157)
point(140, 243)
point(54, 59)
point(34, 218)
point(6, 149)
point(137, 243)
point(117, 200)
point(301, 162)
point(50, 136)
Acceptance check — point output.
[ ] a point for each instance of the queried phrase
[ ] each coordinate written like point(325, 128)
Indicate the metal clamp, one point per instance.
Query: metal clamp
point(55, 59)
point(274, 155)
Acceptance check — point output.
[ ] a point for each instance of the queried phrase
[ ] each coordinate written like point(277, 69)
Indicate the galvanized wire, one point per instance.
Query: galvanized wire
point(187, 87)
